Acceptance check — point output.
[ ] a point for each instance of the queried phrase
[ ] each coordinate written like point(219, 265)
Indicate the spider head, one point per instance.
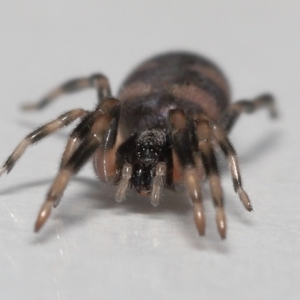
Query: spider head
point(143, 151)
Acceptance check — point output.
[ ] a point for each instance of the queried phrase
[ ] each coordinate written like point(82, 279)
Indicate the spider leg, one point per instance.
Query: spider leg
point(98, 81)
point(209, 162)
point(82, 130)
point(102, 119)
point(233, 112)
point(40, 133)
point(182, 146)
point(75, 138)
point(220, 136)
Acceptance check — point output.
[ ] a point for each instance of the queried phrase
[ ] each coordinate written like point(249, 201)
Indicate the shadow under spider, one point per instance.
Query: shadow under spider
point(173, 203)
point(100, 196)
point(178, 203)
point(268, 141)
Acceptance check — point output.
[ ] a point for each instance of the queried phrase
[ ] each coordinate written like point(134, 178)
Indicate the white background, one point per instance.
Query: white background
point(94, 248)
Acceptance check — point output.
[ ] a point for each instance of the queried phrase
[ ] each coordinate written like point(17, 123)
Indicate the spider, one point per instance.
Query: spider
point(171, 113)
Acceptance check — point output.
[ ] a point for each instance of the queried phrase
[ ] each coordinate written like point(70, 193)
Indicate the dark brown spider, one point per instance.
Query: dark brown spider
point(160, 131)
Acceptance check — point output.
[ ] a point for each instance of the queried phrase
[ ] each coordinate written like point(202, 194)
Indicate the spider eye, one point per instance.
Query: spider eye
point(149, 146)
point(147, 153)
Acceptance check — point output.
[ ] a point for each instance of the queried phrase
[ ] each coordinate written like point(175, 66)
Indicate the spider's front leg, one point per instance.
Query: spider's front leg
point(206, 131)
point(102, 119)
point(204, 141)
point(83, 129)
point(182, 145)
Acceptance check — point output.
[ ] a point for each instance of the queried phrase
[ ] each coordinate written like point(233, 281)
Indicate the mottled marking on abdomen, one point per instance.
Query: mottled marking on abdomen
point(174, 80)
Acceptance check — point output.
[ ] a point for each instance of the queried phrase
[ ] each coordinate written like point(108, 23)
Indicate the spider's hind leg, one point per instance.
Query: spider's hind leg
point(97, 81)
point(233, 112)
point(40, 133)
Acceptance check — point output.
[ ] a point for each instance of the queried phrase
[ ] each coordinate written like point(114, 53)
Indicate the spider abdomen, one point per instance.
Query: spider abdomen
point(169, 81)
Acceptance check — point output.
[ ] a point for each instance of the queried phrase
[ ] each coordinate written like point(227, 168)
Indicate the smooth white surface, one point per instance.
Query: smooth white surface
point(94, 248)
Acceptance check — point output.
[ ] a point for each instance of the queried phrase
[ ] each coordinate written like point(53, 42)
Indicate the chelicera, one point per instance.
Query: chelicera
point(161, 131)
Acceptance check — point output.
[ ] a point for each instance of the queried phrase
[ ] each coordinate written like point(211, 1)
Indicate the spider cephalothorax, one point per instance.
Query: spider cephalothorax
point(161, 130)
